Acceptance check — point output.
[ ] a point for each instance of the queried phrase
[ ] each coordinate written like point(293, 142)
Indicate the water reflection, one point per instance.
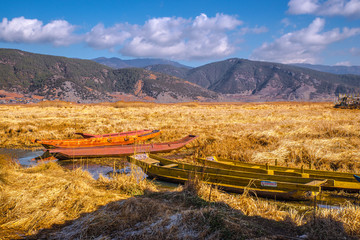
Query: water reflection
point(26, 159)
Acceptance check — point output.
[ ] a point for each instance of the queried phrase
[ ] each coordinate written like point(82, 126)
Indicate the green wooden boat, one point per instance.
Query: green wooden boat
point(264, 185)
point(336, 180)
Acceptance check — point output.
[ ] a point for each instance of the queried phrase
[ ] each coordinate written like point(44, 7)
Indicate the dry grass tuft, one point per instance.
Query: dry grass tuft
point(132, 184)
point(41, 196)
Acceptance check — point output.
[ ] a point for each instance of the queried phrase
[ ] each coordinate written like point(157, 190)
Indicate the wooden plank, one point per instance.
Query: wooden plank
point(150, 161)
point(316, 182)
point(170, 165)
point(339, 176)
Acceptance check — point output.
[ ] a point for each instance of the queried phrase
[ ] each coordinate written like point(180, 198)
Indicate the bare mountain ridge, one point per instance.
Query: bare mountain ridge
point(331, 69)
point(50, 77)
point(245, 80)
point(139, 62)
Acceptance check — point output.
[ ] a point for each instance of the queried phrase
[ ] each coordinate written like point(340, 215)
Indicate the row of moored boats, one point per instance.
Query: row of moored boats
point(261, 179)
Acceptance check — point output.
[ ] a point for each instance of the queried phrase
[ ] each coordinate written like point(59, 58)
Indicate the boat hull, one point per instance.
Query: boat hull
point(336, 180)
point(279, 190)
point(138, 132)
point(261, 174)
point(121, 139)
point(119, 151)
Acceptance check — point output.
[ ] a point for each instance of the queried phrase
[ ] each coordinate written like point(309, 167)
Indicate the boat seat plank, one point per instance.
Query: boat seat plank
point(171, 165)
point(150, 161)
point(316, 182)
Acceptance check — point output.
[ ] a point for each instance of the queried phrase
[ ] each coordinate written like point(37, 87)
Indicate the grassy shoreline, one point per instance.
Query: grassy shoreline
point(48, 201)
point(292, 134)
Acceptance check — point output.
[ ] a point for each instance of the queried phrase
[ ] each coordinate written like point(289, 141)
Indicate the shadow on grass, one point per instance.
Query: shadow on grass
point(184, 215)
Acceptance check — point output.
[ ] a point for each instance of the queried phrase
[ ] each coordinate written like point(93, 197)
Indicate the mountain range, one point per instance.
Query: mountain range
point(138, 63)
point(332, 69)
point(28, 76)
point(245, 80)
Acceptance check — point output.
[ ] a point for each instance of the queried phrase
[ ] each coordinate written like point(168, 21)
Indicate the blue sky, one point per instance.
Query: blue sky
point(191, 32)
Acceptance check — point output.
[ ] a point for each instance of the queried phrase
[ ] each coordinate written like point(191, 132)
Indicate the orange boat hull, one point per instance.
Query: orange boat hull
point(118, 151)
point(138, 132)
point(112, 140)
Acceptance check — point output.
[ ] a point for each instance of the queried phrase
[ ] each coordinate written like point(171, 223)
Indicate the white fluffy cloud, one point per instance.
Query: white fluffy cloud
point(348, 8)
point(302, 46)
point(201, 38)
point(107, 38)
point(22, 30)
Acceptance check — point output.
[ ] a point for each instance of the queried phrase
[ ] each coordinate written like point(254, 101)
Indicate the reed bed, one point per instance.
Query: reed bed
point(47, 194)
point(292, 134)
point(50, 202)
point(198, 211)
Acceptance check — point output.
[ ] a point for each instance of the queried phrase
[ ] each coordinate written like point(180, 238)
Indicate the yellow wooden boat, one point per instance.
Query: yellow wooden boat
point(288, 187)
point(336, 180)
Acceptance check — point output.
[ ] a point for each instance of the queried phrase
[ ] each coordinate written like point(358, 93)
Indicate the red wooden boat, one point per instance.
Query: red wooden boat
point(118, 151)
point(138, 132)
point(115, 139)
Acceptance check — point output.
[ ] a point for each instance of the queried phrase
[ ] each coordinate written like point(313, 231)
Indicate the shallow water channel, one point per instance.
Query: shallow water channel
point(26, 159)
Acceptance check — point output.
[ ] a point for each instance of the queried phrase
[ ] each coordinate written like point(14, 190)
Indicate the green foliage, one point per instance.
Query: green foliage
point(126, 79)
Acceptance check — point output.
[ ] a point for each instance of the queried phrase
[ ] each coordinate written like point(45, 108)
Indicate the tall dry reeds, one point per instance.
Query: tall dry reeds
point(41, 196)
point(291, 134)
point(199, 211)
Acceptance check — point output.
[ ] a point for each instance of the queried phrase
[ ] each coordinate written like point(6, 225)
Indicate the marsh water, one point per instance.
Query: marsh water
point(26, 159)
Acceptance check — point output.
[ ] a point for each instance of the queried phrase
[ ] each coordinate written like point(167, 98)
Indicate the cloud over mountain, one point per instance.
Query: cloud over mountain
point(22, 30)
point(200, 38)
point(348, 8)
point(302, 46)
point(167, 37)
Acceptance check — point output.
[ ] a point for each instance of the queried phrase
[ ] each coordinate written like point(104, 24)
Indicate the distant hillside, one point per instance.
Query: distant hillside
point(180, 72)
point(251, 80)
point(112, 62)
point(27, 76)
point(157, 86)
point(139, 63)
point(332, 69)
point(51, 77)
point(245, 80)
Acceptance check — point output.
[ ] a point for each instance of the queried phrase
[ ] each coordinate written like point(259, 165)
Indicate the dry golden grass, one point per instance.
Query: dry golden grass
point(197, 211)
point(292, 134)
point(47, 194)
